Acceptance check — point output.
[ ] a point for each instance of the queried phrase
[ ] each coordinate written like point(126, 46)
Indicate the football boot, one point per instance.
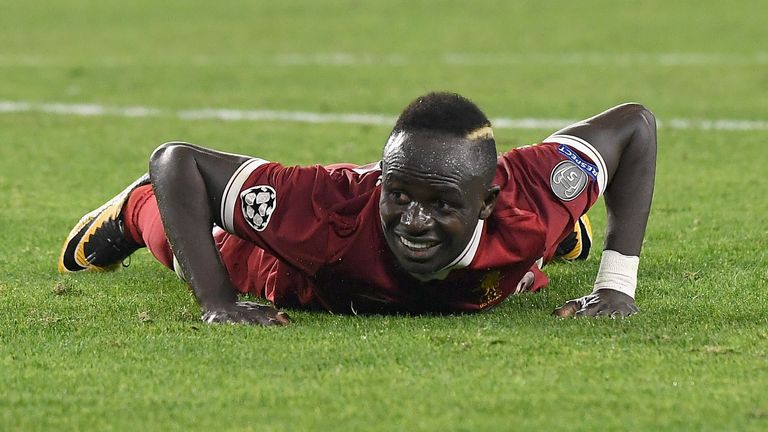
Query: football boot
point(98, 241)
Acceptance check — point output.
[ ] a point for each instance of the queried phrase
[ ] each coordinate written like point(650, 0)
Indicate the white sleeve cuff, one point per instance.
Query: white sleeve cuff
point(232, 192)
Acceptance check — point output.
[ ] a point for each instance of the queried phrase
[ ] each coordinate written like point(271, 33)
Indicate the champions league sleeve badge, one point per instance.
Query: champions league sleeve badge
point(258, 203)
point(567, 180)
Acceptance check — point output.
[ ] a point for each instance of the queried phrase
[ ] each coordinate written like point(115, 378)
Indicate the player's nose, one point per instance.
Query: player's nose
point(416, 219)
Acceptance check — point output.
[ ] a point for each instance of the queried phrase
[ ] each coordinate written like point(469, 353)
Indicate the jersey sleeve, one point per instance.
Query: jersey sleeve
point(583, 154)
point(283, 210)
point(559, 179)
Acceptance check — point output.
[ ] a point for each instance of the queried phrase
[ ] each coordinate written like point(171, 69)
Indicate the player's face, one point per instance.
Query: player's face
point(429, 208)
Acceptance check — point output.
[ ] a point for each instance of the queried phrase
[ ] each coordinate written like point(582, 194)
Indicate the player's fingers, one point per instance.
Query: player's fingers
point(236, 317)
point(628, 311)
point(623, 313)
point(625, 310)
point(271, 317)
point(610, 310)
point(266, 320)
point(274, 316)
point(254, 319)
point(275, 321)
point(282, 318)
point(567, 310)
point(590, 310)
point(589, 305)
point(255, 313)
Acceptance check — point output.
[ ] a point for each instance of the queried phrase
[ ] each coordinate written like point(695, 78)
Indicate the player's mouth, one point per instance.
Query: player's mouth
point(418, 245)
point(419, 249)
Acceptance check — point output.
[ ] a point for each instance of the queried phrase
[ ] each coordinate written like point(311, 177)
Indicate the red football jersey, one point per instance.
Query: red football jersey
point(312, 236)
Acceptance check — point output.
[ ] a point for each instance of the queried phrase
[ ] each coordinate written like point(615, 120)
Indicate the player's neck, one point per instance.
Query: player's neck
point(464, 259)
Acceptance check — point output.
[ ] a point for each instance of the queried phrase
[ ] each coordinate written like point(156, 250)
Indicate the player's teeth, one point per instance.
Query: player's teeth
point(414, 245)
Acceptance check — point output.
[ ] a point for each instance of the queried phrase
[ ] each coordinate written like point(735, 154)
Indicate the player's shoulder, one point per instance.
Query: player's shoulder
point(518, 161)
point(525, 175)
point(354, 180)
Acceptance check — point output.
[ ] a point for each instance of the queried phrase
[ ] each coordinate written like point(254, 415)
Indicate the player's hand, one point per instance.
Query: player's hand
point(605, 302)
point(245, 313)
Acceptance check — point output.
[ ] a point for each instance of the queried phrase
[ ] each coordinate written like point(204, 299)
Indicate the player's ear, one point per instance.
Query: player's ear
point(491, 195)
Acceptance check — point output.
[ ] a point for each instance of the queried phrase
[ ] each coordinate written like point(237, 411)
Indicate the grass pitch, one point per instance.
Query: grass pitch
point(127, 351)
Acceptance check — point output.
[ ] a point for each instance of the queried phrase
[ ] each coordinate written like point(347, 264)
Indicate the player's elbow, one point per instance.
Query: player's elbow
point(642, 118)
point(643, 127)
point(167, 155)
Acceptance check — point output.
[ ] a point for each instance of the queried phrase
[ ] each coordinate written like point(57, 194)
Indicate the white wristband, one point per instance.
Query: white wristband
point(617, 272)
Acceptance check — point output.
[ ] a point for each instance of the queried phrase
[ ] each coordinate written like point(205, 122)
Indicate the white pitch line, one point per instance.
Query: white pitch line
point(98, 110)
point(530, 123)
point(616, 59)
point(290, 116)
point(88, 110)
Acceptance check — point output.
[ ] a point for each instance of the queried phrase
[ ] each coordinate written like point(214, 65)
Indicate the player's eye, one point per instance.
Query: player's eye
point(447, 206)
point(399, 197)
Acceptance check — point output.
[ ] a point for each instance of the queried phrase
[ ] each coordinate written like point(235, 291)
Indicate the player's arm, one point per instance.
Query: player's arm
point(625, 137)
point(188, 182)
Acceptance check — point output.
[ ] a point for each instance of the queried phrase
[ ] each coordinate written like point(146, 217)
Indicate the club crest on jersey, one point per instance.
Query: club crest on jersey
point(489, 288)
point(258, 204)
point(567, 180)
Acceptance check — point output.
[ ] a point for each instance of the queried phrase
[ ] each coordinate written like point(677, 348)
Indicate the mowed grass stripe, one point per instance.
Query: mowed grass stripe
point(342, 59)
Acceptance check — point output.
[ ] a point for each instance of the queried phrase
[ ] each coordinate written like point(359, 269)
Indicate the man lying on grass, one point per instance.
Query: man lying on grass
point(441, 224)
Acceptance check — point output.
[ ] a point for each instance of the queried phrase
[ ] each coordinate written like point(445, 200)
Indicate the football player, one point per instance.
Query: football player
point(440, 224)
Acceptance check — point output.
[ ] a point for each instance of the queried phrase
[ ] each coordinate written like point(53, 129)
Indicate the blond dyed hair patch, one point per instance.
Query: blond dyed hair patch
point(481, 133)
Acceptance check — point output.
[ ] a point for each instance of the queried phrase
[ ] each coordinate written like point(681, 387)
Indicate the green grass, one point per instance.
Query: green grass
point(127, 351)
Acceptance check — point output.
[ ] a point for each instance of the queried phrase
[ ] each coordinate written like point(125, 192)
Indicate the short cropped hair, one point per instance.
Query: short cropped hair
point(442, 112)
point(453, 114)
